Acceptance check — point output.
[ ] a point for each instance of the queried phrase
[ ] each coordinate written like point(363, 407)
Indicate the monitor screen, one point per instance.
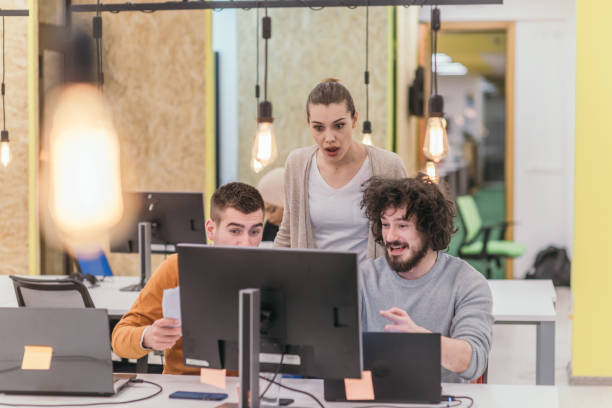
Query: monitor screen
point(309, 308)
point(174, 218)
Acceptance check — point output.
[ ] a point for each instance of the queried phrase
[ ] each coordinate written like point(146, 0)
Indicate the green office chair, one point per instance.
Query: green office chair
point(478, 241)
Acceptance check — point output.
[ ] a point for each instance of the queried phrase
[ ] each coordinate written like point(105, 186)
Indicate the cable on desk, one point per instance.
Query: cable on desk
point(91, 404)
point(280, 364)
point(294, 390)
point(464, 397)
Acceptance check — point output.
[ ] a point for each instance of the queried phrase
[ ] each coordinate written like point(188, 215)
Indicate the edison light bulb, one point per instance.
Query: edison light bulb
point(264, 147)
point(5, 151)
point(85, 195)
point(367, 133)
point(432, 171)
point(436, 143)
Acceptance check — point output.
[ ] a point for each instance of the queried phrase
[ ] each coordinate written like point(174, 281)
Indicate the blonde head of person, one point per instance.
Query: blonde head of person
point(272, 189)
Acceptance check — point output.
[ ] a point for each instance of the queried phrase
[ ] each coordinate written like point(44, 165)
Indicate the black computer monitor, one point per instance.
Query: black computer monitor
point(309, 308)
point(174, 218)
point(162, 220)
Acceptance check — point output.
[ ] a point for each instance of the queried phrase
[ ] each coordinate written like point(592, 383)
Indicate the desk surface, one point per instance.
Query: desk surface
point(499, 396)
point(513, 300)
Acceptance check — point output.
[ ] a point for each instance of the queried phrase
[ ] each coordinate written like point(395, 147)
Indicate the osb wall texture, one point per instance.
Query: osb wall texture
point(306, 47)
point(154, 68)
point(14, 178)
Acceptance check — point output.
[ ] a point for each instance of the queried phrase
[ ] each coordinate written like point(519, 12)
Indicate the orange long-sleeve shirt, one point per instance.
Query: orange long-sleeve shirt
point(146, 309)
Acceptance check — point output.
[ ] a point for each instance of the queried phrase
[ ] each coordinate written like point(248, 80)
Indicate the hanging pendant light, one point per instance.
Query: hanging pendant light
point(81, 170)
point(264, 150)
point(435, 146)
point(5, 148)
point(367, 125)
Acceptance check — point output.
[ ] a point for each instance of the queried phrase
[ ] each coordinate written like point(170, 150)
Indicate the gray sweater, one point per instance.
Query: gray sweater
point(296, 229)
point(452, 299)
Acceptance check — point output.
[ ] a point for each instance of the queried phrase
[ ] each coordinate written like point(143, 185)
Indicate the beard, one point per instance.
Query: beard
point(399, 265)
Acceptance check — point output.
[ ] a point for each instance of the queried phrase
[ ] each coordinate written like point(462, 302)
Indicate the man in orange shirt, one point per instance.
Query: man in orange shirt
point(237, 216)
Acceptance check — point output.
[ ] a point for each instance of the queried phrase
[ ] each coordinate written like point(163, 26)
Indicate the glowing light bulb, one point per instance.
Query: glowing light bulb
point(264, 147)
point(432, 171)
point(85, 195)
point(436, 142)
point(5, 149)
point(367, 133)
point(263, 151)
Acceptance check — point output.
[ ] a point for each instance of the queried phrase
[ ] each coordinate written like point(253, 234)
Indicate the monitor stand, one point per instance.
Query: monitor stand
point(248, 350)
point(144, 254)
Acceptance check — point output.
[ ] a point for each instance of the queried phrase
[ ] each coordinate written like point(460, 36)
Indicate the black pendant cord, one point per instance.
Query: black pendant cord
point(97, 34)
point(367, 55)
point(436, 61)
point(3, 80)
point(257, 55)
point(266, 36)
point(433, 66)
point(433, 46)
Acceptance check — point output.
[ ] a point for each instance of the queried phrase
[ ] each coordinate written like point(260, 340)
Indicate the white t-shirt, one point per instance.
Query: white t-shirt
point(338, 222)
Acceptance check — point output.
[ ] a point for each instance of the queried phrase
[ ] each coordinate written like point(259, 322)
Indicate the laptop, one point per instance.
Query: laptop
point(405, 368)
point(55, 351)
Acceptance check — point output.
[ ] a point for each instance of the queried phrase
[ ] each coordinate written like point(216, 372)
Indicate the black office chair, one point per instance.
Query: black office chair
point(33, 292)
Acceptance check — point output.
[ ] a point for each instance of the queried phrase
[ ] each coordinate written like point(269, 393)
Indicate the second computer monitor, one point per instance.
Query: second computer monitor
point(309, 308)
point(174, 218)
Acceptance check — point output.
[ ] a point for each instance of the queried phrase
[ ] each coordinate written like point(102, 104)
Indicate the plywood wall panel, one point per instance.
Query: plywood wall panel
point(306, 47)
point(14, 178)
point(154, 68)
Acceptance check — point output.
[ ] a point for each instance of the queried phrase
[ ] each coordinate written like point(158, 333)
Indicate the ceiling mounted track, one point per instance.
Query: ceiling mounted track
point(250, 4)
point(14, 13)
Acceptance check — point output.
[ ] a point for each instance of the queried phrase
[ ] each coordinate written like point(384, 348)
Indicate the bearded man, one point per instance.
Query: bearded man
point(418, 288)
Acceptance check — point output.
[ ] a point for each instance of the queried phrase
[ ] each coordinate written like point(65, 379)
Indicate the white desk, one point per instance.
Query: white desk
point(106, 296)
point(524, 302)
point(530, 302)
point(485, 396)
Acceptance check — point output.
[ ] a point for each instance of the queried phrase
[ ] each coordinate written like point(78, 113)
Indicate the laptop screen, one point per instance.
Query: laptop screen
point(55, 351)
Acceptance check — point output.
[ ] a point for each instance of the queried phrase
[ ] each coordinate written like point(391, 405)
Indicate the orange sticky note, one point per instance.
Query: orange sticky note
point(359, 389)
point(213, 377)
point(37, 358)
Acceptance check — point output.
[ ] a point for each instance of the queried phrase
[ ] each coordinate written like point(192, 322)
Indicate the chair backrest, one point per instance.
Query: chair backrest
point(470, 216)
point(51, 293)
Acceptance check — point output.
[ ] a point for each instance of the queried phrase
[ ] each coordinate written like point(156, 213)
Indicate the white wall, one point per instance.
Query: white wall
point(225, 43)
point(544, 119)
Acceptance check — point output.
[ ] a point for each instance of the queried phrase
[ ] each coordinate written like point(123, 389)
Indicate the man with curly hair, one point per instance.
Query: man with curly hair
point(418, 288)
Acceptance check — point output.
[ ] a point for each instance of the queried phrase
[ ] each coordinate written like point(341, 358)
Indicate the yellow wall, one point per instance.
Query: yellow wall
point(592, 264)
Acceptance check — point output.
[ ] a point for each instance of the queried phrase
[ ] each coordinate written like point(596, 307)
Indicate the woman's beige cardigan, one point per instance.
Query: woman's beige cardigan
point(296, 229)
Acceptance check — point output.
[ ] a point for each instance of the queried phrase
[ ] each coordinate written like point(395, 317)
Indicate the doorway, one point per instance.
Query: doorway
point(476, 78)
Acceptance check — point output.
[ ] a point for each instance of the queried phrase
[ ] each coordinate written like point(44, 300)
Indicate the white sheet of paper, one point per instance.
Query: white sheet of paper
point(171, 304)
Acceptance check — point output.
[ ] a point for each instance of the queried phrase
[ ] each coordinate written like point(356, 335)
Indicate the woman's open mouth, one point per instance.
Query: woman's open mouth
point(332, 151)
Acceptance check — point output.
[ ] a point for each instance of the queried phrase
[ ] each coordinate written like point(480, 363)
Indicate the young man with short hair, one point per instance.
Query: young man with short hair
point(237, 214)
point(417, 288)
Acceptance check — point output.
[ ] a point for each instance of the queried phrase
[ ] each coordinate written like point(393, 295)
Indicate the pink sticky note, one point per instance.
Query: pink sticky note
point(359, 389)
point(213, 377)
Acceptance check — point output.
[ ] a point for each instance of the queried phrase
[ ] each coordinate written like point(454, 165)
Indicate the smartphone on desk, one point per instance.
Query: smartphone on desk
point(203, 396)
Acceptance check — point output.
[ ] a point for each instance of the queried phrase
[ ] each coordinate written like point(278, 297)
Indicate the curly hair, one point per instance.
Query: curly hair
point(421, 197)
